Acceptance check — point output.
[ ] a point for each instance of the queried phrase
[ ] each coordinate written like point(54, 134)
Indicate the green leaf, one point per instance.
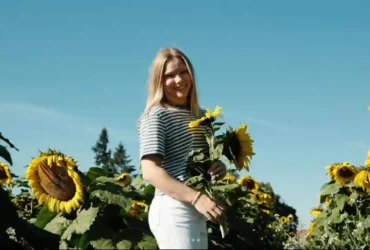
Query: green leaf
point(148, 242)
point(82, 223)
point(217, 152)
point(80, 241)
point(58, 225)
point(332, 188)
point(124, 244)
point(149, 190)
point(111, 198)
point(4, 153)
point(250, 220)
point(138, 183)
point(335, 216)
point(44, 217)
point(219, 124)
point(340, 200)
point(95, 172)
point(226, 188)
point(103, 244)
point(353, 198)
point(366, 222)
point(104, 179)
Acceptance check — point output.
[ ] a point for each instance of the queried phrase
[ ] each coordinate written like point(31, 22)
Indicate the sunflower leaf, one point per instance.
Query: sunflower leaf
point(82, 223)
point(58, 225)
point(105, 179)
point(95, 172)
point(366, 222)
point(4, 153)
point(332, 188)
point(148, 242)
point(103, 244)
point(124, 244)
point(138, 183)
point(112, 198)
point(341, 199)
point(226, 188)
point(44, 217)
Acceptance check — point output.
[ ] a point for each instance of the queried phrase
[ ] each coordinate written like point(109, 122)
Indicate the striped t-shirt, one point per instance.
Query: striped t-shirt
point(165, 132)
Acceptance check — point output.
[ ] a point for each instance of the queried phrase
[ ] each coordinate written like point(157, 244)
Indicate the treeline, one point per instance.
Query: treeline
point(116, 161)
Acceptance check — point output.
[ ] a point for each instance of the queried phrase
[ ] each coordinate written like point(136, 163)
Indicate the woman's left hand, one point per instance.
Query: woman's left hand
point(218, 170)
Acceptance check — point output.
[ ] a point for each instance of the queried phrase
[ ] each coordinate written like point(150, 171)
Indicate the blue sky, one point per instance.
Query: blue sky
point(297, 72)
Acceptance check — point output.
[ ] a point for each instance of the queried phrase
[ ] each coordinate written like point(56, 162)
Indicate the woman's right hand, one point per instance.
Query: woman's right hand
point(211, 209)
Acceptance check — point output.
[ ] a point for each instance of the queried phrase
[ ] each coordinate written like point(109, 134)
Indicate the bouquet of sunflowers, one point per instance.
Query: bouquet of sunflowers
point(235, 145)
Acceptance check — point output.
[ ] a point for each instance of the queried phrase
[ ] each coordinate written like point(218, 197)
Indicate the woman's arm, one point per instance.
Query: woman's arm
point(159, 178)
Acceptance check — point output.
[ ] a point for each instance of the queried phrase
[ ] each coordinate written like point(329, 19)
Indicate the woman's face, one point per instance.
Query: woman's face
point(177, 81)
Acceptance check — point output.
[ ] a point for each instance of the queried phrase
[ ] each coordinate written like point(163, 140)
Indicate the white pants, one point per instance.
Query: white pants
point(177, 225)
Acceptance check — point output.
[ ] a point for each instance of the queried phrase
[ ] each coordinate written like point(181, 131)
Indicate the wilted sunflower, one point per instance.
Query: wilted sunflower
point(367, 162)
point(238, 147)
point(316, 211)
point(54, 181)
point(5, 175)
point(344, 173)
point(207, 119)
point(362, 179)
point(124, 178)
point(330, 170)
point(249, 183)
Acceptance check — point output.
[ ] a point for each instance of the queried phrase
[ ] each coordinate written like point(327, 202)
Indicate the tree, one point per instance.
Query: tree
point(102, 154)
point(121, 161)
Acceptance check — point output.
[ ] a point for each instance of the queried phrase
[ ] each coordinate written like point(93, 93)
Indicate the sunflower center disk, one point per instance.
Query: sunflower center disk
point(56, 182)
point(249, 184)
point(3, 174)
point(231, 146)
point(345, 173)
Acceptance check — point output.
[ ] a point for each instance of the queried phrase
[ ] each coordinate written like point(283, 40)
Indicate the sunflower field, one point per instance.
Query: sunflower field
point(56, 205)
point(342, 217)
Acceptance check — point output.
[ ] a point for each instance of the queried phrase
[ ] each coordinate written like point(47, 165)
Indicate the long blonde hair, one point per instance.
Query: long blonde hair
point(156, 94)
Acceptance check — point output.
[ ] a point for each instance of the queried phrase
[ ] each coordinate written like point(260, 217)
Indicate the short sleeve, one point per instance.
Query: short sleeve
point(152, 135)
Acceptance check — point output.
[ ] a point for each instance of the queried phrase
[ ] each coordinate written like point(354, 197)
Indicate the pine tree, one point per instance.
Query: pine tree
point(102, 154)
point(121, 160)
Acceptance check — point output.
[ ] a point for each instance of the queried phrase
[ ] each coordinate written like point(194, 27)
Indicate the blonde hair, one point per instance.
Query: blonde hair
point(156, 94)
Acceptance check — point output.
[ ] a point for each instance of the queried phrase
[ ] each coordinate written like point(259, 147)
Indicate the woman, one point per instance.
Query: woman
point(178, 213)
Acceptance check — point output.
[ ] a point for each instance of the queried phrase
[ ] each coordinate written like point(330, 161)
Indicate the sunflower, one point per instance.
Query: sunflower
point(5, 175)
point(316, 212)
point(138, 204)
point(54, 181)
point(124, 178)
point(207, 119)
point(263, 198)
point(310, 229)
point(266, 211)
point(330, 169)
point(283, 220)
point(362, 180)
point(344, 173)
point(367, 162)
point(238, 146)
point(249, 183)
point(230, 179)
point(290, 218)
